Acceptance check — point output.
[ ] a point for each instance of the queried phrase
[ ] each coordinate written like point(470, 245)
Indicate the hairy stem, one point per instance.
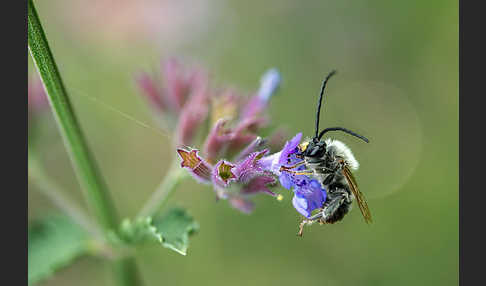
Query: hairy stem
point(92, 184)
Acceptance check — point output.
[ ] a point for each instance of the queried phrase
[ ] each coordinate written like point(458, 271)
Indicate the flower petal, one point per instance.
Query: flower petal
point(222, 173)
point(286, 181)
point(300, 204)
point(269, 83)
point(198, 168)
point(309, 196)
point(289, 148)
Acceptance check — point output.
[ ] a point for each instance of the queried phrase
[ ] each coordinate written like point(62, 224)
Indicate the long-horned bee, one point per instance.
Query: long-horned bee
point(330, 162)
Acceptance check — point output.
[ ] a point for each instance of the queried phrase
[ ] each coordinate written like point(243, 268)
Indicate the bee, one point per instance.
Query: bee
point(331, 162)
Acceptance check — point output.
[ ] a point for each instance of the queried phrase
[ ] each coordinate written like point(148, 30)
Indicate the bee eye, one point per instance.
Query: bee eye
point(314, 152)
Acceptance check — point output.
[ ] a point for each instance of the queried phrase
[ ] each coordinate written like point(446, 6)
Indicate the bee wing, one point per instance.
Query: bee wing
point(363, 206)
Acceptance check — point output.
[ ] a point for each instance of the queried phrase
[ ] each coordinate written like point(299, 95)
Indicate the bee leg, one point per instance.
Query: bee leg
point(301, 226)
point(309, 221)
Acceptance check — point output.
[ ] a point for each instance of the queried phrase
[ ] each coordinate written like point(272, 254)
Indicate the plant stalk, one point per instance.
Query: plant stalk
point(94, 187)
point(86, 170)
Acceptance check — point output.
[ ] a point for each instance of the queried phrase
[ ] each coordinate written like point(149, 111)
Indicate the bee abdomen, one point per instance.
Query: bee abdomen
point(339, 213)
point(337, 204)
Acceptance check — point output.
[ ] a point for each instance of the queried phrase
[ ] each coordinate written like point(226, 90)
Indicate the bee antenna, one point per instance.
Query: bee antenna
point(344, 130)
point(324, 82)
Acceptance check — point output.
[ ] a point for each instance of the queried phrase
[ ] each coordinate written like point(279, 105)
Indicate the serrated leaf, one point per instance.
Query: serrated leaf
point(53, 243)
point(172, 229)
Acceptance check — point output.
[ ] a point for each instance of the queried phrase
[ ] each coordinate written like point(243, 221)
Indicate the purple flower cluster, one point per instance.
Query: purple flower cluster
point(186, 102)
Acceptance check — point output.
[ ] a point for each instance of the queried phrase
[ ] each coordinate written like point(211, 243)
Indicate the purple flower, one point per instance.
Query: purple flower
point(308, 196)
point(308, 192)
point(233, 182)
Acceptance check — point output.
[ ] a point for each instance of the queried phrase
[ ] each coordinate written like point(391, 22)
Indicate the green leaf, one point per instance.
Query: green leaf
point(54, 242)
point(172, 229)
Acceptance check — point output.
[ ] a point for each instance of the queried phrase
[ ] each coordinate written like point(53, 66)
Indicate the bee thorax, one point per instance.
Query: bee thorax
point(336, 148)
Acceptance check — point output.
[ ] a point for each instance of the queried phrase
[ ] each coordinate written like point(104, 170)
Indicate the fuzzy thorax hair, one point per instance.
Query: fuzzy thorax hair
point(340, 149)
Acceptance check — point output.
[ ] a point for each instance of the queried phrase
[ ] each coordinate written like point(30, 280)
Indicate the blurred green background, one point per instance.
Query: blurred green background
point(397, 84)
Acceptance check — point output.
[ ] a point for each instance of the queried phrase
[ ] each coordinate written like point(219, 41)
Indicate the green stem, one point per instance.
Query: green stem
point(84, 165)
point(166, 187)
point(94, 188)
point(121, 269)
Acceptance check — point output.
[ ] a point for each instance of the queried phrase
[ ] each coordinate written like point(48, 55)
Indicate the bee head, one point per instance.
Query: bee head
point(313, 148)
